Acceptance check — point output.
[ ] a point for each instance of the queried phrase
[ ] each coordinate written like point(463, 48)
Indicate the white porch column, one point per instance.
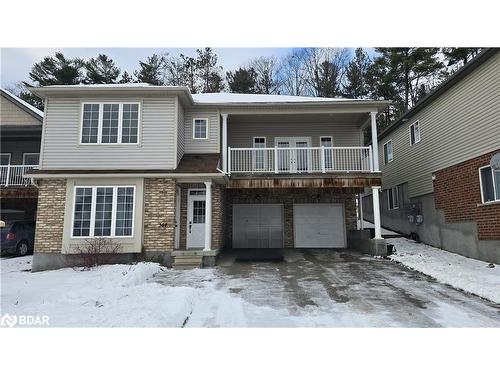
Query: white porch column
point(376, 212)
point(208, 215)
point(224, 142)
point(374, 141)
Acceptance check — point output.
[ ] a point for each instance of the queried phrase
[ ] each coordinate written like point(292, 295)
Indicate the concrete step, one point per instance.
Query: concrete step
point(187, 261)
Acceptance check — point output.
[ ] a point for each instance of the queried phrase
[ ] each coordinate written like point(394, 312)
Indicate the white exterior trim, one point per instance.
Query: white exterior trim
point(31, 153)
point(392, 152)
point(494, 186)
point(415, 125)
point(207, 120)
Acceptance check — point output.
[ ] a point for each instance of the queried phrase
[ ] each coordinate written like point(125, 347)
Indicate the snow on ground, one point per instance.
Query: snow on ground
point(463, 273)
point(385, 232)
point(106, 296)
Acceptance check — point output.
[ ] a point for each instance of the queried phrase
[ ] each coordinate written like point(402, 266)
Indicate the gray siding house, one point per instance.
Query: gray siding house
point(20, 133)
point(438, 184)
point(177, 178)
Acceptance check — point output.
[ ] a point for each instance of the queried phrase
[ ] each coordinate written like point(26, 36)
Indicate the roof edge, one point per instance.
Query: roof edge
point(25, 106)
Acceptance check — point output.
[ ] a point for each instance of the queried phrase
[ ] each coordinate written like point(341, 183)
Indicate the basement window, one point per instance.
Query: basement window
point(393, 198)
point(490, 184)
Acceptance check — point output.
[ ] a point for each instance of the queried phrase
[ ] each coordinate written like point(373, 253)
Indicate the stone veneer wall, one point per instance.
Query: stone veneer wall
point(50, 216)
point(218, 209)
point(159, 214)
point(288, 197)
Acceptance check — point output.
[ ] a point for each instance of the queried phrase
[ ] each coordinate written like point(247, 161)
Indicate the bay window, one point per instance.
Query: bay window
point(110, 123)
point(103, 211)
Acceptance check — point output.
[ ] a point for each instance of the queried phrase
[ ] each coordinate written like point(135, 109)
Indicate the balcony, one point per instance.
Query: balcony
point(295, 160)
point(13, 175)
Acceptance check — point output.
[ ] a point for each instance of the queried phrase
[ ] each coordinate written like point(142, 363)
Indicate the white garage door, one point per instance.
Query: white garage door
point(319, 225)
point(257, 226)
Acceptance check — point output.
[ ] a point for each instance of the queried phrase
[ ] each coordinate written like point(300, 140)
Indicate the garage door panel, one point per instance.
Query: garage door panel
point(257, 225)
point(319, 225)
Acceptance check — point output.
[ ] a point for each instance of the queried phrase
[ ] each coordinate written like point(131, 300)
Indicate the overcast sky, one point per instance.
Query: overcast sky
point(16, 63)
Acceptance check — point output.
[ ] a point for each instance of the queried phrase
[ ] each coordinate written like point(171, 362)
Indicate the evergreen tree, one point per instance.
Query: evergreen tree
point(407, 69)
point(356, 73)
point(151, 70)
point(57, 70)
point(126, 78)
point(459, 55)
point(208, 71)
point(32, 99)
point(101, 70)
point(242, 81)
point(326, 80)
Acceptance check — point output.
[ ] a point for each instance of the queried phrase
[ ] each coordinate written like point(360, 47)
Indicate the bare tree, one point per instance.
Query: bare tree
point(325, 70)
point(292, 73)
point(267, 74)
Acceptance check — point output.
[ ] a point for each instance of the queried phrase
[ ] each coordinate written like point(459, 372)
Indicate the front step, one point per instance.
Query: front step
point(187, 261)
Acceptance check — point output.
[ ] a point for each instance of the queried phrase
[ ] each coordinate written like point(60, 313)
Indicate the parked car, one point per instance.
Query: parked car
point(18, 237)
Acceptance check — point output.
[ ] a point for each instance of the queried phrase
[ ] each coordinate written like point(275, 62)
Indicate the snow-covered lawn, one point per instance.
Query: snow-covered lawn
point(463, 273)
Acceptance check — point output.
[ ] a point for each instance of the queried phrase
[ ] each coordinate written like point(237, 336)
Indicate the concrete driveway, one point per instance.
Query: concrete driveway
point(324, 288)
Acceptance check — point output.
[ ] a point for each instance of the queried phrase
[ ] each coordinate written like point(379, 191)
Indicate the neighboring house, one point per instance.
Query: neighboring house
point(438, 183)
point(20, 132)
point(174, 176)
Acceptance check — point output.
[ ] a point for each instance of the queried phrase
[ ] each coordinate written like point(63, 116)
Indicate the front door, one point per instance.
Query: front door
point(196, 218)
point(293, 160)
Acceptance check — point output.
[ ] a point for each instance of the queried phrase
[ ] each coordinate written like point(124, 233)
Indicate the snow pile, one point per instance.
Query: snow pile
point(463, 273)
point(106, 296)
point(225, 97)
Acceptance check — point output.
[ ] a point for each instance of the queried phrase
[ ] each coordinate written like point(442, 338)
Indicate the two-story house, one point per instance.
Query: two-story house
point(20, 132)
point(439, 183)
point(170, 175)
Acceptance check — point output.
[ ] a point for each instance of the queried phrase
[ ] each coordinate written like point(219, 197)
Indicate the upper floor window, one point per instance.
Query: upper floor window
point(110, 123)
point(414, 133)
point(490, 184)
point(388, 154)
point(200, 128)
point(5, 158)
point(103, 211)
point(393, 198)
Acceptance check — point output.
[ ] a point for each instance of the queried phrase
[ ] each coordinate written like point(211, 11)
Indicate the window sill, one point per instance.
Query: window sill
point(486, 204)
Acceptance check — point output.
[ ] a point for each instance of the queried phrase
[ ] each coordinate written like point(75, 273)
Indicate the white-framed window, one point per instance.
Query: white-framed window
point(31, 158)
point(5, 158)
point(259, 156)
point(200, 128)
point(388, 152)
point(110, 123)
point(393, 198)
point(103, 211)
point(414, 133)
point(489, 184)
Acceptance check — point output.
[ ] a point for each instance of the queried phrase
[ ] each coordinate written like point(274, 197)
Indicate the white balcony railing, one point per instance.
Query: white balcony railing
point(300, 160)
point(13, 175)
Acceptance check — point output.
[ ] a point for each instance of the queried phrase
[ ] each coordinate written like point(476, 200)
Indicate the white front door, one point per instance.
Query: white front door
point(293, 160)
point(196, 218)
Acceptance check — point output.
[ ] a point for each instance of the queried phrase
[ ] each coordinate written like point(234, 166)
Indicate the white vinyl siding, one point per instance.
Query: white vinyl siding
point(458, 126)
point(208, 145)
point(103, 211)
point(61, 139)
point(490, 184)
point(12, 114)
point(241, 134)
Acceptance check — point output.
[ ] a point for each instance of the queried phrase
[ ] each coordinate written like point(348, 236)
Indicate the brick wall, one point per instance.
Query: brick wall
point(457, 192)
point(19, 192)
point(288, 197)
point(159, 214)
point(50, 216)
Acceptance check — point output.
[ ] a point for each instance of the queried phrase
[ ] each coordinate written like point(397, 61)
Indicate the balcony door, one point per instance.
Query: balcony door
point(293, 160)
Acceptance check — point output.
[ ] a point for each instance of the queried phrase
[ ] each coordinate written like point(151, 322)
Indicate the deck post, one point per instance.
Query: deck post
point(224, 142)
point(323, 166)
point(374, 141)
point(275, 159)
point(376, 212)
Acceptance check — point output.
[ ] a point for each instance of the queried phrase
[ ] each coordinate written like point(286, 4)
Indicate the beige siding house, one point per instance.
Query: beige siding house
point(177, 178)
point(456, 126)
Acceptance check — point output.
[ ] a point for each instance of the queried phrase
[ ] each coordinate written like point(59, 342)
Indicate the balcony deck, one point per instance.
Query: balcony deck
point(13, 175)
